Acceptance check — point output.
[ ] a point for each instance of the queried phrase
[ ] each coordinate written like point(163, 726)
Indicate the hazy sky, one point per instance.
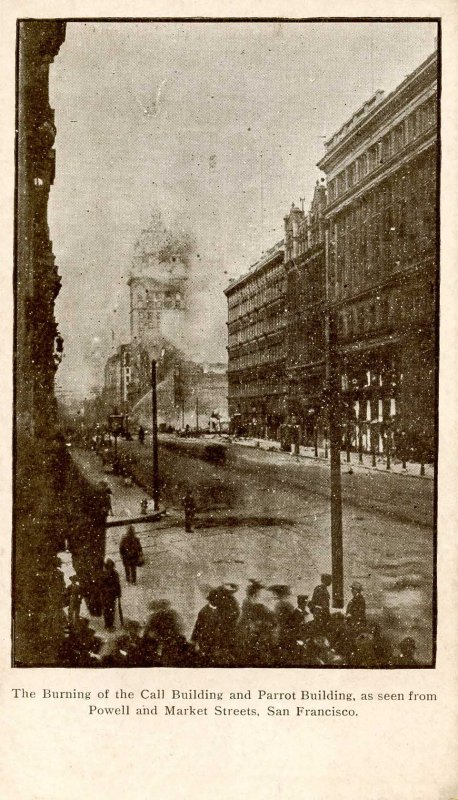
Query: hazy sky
point(243, 112)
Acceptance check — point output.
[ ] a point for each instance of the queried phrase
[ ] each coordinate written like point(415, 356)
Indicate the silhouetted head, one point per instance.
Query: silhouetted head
point(407, 646)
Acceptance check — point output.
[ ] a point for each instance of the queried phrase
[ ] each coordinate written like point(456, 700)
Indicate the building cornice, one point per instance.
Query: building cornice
point(382, 172)
point(423, 76)
point(257, 269)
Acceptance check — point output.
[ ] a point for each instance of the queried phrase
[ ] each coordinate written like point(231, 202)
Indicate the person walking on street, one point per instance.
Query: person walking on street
point(189, 506)
point(356, 608)
point(110, 590)
point(141, 434)
point(131, 554)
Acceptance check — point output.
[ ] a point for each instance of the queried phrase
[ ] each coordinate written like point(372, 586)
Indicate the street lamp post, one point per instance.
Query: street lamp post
point(155, 443)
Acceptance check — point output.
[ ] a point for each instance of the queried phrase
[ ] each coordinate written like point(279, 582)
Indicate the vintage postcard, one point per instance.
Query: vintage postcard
point(233, 428)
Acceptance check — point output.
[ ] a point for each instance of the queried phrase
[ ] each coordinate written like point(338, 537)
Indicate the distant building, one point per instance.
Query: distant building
point(156, 309)
point(117, 379)
point(381, 169)
point(305, 353)
point(256, 347)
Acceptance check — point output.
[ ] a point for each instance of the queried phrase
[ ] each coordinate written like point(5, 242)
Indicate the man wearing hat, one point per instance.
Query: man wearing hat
point(321, 601)
point(214, 633)
point(356, 608)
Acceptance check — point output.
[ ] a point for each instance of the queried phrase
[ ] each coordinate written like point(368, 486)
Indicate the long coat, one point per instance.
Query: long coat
point(131, 550)
point(110, 587)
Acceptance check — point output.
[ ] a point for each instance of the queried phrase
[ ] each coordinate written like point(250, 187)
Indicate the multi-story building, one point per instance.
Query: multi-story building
point(53, 502)
point(305, 316)
point(256, 347)
point(157, 320)
point(381, 169)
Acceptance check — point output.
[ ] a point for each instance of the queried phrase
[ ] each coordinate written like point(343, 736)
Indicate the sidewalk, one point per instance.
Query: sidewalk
point(412, 468)
point(126, 506)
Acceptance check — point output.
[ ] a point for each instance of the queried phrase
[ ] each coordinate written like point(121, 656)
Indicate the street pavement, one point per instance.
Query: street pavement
point(278, 533)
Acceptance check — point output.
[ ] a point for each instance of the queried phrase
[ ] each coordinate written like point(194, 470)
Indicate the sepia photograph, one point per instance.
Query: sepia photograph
point(226, 357)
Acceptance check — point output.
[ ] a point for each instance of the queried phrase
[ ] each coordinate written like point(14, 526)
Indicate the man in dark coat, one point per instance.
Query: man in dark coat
point(321, 599)
point(285, 626)
point(110, 590)
point(356, 608)
point(255, 629)
point(189, 506)
point(214, 633)
point(164, 644)
point(131, 553)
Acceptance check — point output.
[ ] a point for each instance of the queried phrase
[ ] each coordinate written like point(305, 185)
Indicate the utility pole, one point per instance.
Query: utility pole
point(155, 444)
point(197, 415)
point(335, 411)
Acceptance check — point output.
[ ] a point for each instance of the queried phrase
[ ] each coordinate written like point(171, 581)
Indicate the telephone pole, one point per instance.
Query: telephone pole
point(335, 439)
point(155, 444)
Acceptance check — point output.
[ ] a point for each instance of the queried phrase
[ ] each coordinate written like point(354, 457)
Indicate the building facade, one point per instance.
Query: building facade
point(305, 317)
point(257, 347)
point(381, 170)
point(53, 502)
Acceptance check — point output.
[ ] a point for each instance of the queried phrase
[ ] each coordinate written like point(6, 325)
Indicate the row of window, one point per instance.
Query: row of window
point(386, 312)
point(392, 143)
point(257, 388)
point(259, 327)
point(265, 355)
point(389, 228)
point(159, 300)
point(258, 291)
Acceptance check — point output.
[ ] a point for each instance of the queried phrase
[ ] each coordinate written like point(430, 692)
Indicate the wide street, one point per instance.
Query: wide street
point(267, 516)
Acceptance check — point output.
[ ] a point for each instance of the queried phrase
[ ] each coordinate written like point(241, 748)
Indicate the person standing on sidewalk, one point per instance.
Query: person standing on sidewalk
point(356, 608)
point(110, 590)
point(189, 506)
point(321, 601)
point(131, 554)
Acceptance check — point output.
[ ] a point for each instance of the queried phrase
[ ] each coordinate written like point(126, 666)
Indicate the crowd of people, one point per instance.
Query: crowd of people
point(269, 629)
